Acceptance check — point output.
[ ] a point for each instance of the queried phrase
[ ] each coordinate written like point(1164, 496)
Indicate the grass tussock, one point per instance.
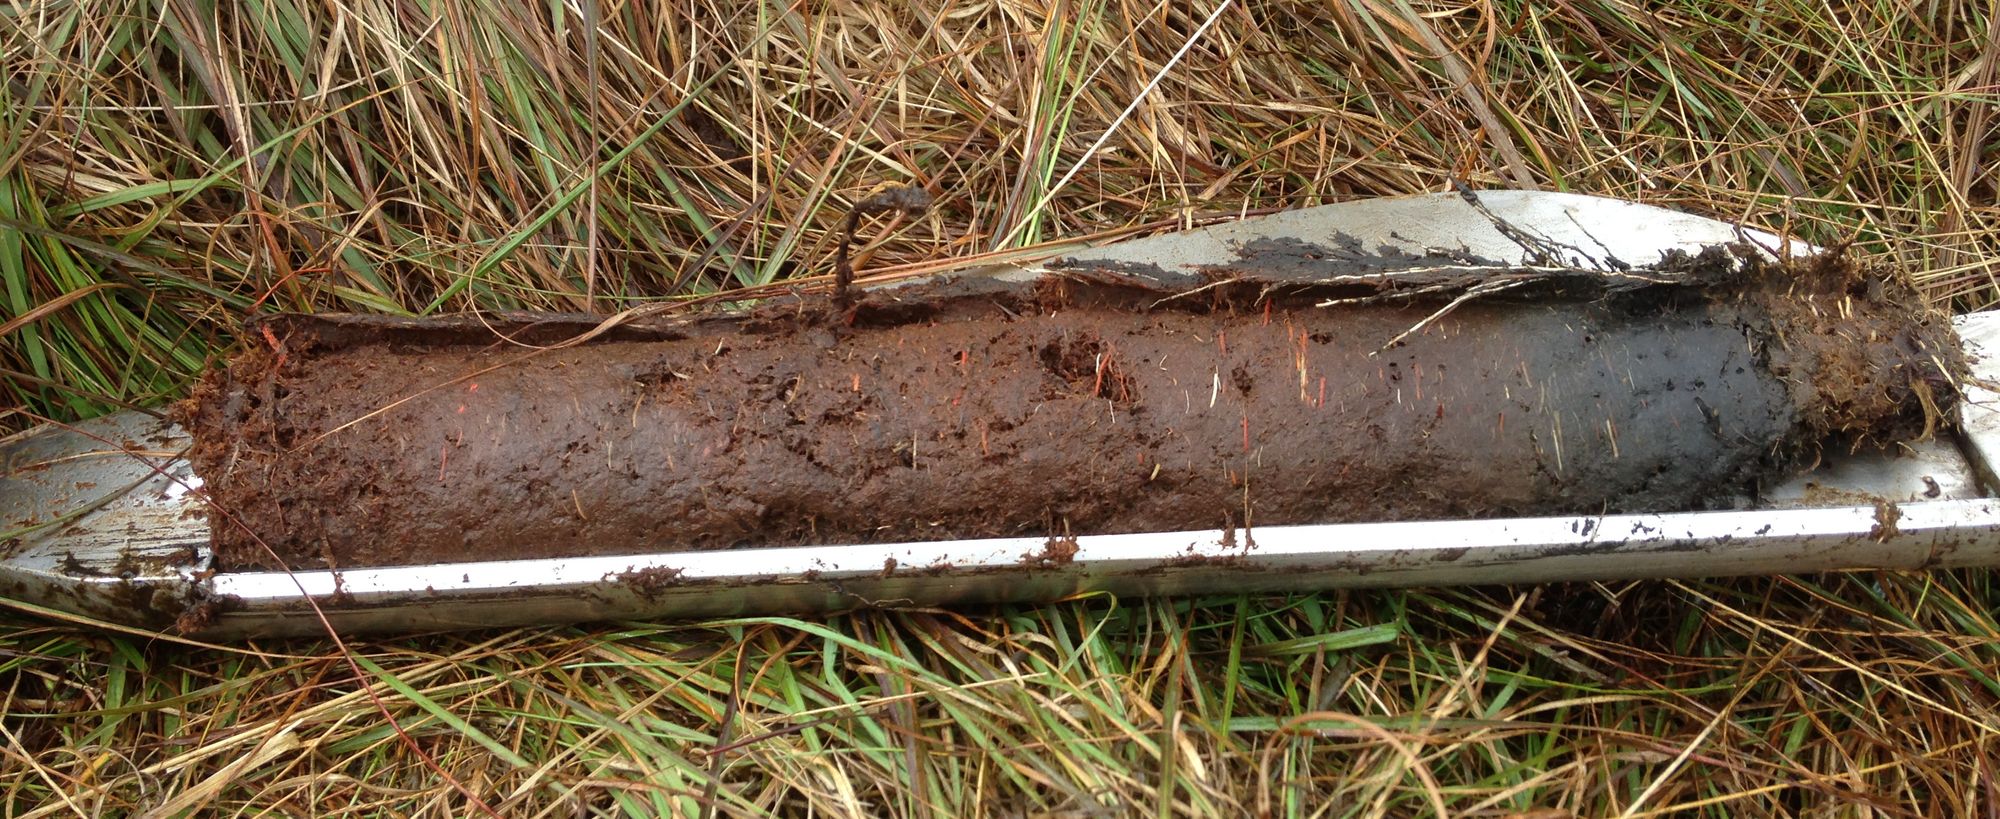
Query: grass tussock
point(168, 167)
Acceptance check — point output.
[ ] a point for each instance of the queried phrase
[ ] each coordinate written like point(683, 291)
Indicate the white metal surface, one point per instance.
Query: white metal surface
point(99, 519)
point(1595, 230)
point(830, 578)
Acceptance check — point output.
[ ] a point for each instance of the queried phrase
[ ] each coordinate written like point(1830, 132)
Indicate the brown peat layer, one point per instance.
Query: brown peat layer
point(1091, 401)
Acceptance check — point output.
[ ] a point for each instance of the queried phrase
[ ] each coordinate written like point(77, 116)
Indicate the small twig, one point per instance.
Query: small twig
point(1514, 274)
point(1540, 251)
point(843, 271)
point(1473, 293)
point(1186, 293)
point(908, 199)
point(1389, 295)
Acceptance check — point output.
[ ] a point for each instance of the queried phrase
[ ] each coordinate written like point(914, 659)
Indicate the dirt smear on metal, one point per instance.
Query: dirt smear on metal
point(1091, 401)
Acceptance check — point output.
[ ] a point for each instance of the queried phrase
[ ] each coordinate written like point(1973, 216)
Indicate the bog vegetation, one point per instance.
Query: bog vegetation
point(168, 167)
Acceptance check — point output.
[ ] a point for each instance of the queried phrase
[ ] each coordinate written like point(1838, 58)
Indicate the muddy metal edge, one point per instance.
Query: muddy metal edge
point(1936, 534)
point(101, 519)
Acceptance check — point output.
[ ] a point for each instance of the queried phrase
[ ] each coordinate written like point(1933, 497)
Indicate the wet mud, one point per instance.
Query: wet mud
point(1092, 401)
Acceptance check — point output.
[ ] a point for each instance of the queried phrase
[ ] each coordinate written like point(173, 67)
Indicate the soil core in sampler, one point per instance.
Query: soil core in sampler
point(1287, 388)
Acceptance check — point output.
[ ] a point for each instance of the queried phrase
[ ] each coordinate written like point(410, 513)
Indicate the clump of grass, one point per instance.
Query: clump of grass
point(167, 169)
point(1847, 694)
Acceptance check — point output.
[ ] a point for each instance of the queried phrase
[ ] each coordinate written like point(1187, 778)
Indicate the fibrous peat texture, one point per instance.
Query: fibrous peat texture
point(1092, 401)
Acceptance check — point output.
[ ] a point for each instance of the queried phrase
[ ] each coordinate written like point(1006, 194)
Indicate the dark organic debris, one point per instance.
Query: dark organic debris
point(1056, 552)
point(650, 581)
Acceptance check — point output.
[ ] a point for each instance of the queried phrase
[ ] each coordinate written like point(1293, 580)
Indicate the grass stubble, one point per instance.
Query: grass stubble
point(169, 167)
